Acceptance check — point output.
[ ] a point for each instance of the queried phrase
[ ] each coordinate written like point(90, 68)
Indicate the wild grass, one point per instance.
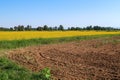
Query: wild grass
point(11, 71)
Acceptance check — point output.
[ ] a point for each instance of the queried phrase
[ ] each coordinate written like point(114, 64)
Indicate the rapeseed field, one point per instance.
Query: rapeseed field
point(6, 35)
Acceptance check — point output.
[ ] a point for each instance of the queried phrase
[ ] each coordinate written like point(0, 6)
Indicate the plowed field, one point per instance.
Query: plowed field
point(97, 59)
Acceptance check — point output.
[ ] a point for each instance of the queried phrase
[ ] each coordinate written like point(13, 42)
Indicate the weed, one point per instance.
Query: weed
point(11, 71)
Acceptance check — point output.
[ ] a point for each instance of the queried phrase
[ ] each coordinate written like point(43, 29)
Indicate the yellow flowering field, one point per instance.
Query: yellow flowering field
point(48, 34)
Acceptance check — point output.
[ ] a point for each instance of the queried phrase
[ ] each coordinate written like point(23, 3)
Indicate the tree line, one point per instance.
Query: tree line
point(59, 28)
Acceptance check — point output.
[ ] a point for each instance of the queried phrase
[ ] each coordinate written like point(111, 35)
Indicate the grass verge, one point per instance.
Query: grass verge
point(23, 43)
point(11, 71)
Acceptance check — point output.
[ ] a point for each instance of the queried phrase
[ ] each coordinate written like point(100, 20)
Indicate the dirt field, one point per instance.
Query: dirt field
point(97, 59)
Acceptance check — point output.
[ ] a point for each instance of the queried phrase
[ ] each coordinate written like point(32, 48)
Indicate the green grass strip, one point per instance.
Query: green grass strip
point(11, 71)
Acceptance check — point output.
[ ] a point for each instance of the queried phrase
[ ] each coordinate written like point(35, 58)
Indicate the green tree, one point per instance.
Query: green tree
point(78, 28)
point(61, 27)
point(45, 27)
point(21, 28)
point(55, 28)
point(28, 28)
point(73, 28)
point(69, 28)
point(50, 29)
point(39, 28)
point(16, 28)
point(11, 29)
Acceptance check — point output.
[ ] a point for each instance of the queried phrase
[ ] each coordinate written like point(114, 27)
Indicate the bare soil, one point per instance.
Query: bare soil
point(97, 59)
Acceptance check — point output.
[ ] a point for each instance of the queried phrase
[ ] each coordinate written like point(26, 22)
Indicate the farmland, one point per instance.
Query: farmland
point(60, 40)
point(49, 34)
point(12, 40)
point(63, 55)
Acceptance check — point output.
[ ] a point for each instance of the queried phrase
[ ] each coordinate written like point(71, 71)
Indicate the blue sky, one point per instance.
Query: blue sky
point(55, 12)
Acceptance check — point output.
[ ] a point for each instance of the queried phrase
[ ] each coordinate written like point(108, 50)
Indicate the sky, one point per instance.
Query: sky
point(78, 13)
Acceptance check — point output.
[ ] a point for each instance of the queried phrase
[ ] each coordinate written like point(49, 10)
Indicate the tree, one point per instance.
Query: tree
point(73, 28)
point(78, 28)
point(97, 28)
point(21, 28)
point(55, 28)
point(28, 28)
point(61, 27)
point(16, 28)
point(50, 28)
point(89, 27)
point(4, 29)
point(11, 29)
point(68, 28)
point(39, 28)
point(45, 27)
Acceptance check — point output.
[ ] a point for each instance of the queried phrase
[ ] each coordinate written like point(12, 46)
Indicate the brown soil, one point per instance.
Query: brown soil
point(97, 59)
